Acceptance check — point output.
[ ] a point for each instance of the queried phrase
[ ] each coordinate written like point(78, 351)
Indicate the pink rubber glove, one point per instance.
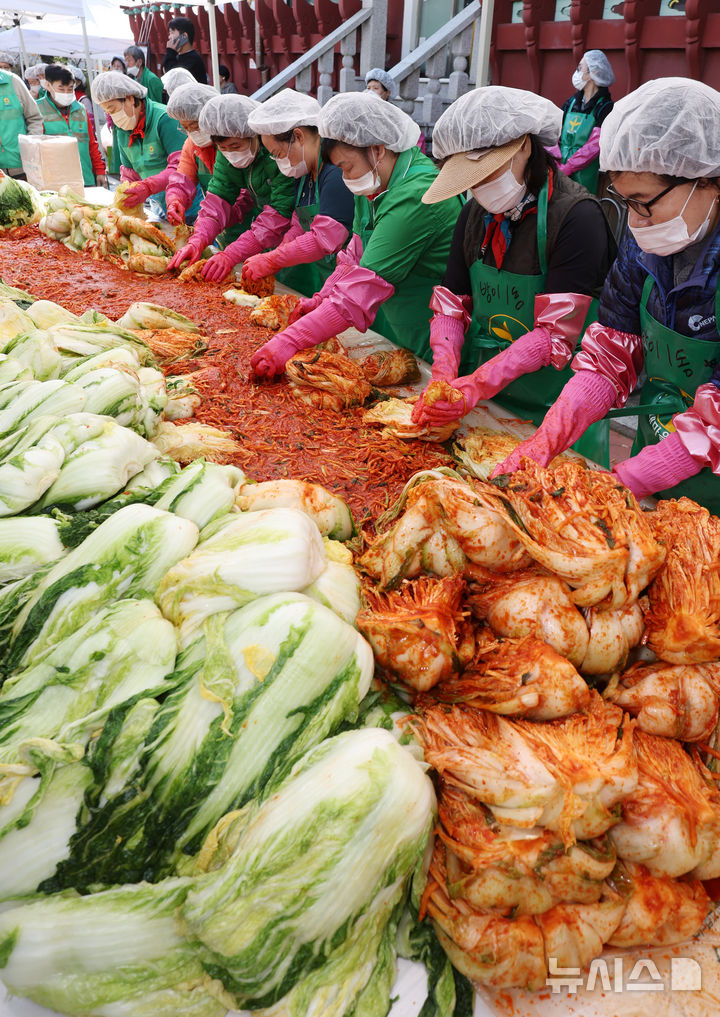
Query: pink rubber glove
point(175, 212)
point(315, 327)
point(584, 155)
point(242, 205)
point(699, 427)
point(180, 189)
point(559, 317)
point(191, 253)
point(616, 355)
point(128, 173)
point(347, 259)
point(218, 267)
point(259, 266)
point(265, 231)
point(354, 300)
point(140, 191)
point(450, 321)
point(554, 151)
point(586, 398)
point(657, 467)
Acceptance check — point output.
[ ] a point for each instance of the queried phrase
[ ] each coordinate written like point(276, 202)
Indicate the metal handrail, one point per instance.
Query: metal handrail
point(319, 49)
point(414, 60)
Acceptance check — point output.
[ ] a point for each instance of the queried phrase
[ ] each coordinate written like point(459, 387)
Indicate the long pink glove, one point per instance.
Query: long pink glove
point(694, 445)
point(347, 259)
point(128, 173)
point(266, 231)
point(559, 317)
point(325, 236)
point(353, 301)
point(141, 190)
point(584, 155)
point(586, 398)
point(450, 321)
point(554, 151)
point(212, 219)
point(180, 189)
point(657, 467)
point(617, 356)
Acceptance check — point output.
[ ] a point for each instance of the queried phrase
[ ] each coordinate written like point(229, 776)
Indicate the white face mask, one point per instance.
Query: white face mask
point(288, 170)
point(500, 195)
point(123, 121)
point(241, 160)
point(672, 236)
point(63, 98)
point(368, 183)
point(200, 139)
point(43, 83)
point(35, 91)
point(133, 71)
point(578, 80)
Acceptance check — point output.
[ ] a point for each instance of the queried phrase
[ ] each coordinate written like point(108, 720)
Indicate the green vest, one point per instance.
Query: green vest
point(12, 123)
point(149, 155)
point(76, 125)
point(153, 84)
point(676, 365)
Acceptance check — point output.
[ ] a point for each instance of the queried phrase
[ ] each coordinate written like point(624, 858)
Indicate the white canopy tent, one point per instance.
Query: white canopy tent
point(48, 40)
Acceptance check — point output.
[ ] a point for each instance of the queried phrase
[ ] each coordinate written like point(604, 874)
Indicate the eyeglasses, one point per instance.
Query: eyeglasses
point(643, 208)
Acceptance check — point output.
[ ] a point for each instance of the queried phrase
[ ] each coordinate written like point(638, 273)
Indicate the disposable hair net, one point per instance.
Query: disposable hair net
point(187, 102)
point(284, 111)
point(35, 72)
point(7, 58)
point(667, 126)
point(599, 67)
point(488, 117)
point(76, 73)
point(226, 116)
point(363, 119)
point(176, 77)
point(113, 85)
point(388, 83)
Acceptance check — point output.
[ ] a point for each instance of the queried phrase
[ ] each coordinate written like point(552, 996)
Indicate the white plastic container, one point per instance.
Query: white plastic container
point(50, 161)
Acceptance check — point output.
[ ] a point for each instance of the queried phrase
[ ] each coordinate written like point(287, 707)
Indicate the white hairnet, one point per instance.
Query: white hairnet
point(363, 119)
point(176, 77)
point(492, 116)
point(284, 111)
point(76, 73)
point(667, 126)
point(113, 85)
point(35, 72)
point(187, 102)
point(7, 58)
point(599, 67)
point(226, 116)
point(388, 83)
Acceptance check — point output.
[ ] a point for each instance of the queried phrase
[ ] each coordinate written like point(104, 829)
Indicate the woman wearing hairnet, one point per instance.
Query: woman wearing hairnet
point(146, 138)
point(245, 182)
point(583, 115)
point(660, 307)
point(196, 162)
point(380, 83)
point(176, 77)
point(399, 247)
point(324, 207)
point(528, 255)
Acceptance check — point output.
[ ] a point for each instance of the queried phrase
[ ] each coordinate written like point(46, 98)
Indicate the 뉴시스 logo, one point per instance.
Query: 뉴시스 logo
point(611, 975)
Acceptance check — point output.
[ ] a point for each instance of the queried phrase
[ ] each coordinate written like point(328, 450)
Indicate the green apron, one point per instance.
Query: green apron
point(404, 318)
point(503, 310)
point(576, 130)
point(76, 125)
point(308, 278)
point(676, 365)
point(12, 123)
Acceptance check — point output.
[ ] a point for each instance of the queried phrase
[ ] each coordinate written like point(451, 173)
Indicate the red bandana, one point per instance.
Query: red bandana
point(138, 133)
